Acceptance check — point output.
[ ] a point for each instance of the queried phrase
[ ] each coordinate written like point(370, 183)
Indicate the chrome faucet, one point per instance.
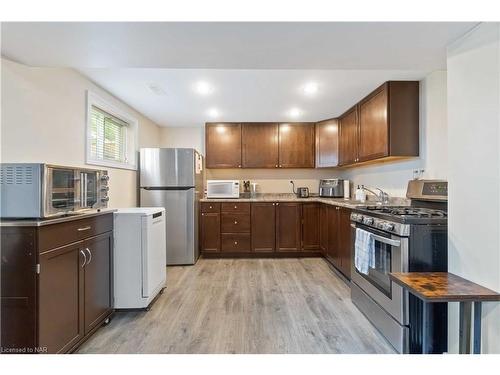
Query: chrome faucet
point(382, 197)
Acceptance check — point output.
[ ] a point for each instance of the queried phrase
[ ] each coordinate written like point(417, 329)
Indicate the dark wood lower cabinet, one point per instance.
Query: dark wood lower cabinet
point(323, 234)
point(310, 226)
point(339, 238)
point(210, 232)
point(279, 228)
point(332, 253)
point(288, 226)
point(54, 298)
point(263, 227)
point(61, 298)
point(98, 281)
point(344, 240)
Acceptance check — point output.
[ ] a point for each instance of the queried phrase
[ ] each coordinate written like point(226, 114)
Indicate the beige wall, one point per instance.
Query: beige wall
point(393, 177)
point(474, 172)
point(44, 118)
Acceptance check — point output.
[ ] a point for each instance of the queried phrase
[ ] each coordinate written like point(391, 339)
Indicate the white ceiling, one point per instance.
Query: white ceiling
point(233, 45)
point(240, 95)
point(256, 69)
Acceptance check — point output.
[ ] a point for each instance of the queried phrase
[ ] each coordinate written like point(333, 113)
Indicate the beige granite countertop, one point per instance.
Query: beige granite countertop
point(286, 197)
point(54, 220)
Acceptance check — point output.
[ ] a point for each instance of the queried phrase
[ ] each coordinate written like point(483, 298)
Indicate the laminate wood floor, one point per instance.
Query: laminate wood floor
point(245, 306)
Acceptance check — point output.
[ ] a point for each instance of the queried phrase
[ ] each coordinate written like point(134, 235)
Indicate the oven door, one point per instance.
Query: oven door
point(61, 189)
point(391, 255)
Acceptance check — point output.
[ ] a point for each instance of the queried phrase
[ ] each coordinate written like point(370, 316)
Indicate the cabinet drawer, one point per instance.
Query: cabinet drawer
point(56, 235)
point(235, 242)
point(235, 223)
point(236, 207)
point(210, 207)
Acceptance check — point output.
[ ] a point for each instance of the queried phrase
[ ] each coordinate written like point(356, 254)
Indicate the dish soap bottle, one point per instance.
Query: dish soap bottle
point(360, 194)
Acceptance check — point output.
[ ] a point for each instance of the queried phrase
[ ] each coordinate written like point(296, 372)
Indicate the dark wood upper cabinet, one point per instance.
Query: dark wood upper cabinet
point(263, 227)
point(310, 226)
point(373, 126)
point(288, 225)
point(296, 145)
point(260, 145)
point(327, 143)
point(61, 298)
point(98, 283)
point(348, 137)
point(385, 124)
point(223, 145)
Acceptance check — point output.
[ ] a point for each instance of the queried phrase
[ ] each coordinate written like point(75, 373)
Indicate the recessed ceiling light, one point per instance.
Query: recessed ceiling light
point(203, 88)
point(213, 112)
point(294, 112)
point(310, 88)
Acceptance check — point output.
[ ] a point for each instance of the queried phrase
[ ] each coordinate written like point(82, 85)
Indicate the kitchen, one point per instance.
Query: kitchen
point(291, 204)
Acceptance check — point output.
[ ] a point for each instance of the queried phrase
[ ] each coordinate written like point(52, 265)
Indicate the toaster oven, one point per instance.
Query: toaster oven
point(30, 190)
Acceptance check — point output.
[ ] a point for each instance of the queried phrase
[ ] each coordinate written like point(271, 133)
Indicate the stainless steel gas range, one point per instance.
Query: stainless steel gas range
point(401, 239)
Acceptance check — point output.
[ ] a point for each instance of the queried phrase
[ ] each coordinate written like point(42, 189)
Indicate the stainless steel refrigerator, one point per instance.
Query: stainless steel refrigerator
point(173, 178)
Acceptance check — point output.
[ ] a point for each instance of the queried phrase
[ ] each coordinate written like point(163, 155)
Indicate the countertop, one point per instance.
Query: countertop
point(443, 287)
point(54, 220)
point(285, 197)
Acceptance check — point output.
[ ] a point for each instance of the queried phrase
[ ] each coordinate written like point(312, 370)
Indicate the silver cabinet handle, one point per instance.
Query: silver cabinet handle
point(235, 222)
point(84, 258)
point(90, 255)
point(277, 204)
point(235, 206)
point(84, 228)
point(210, 207)
point(236, 242)
point(276, 165)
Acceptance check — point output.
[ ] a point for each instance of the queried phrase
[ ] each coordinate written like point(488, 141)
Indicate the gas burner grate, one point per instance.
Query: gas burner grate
point(410, 211)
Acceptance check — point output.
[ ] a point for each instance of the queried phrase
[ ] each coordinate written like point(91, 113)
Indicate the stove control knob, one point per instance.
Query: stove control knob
point(388, 226)
point(368, 220)
point(359, 218)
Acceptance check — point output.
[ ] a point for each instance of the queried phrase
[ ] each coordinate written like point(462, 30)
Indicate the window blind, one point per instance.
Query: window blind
point(108, 137)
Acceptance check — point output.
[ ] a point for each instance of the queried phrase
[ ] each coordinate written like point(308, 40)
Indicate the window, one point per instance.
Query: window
point(111, 135)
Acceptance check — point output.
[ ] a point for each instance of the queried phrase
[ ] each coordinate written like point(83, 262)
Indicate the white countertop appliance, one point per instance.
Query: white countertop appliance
point(140, 271)
point(223, 189)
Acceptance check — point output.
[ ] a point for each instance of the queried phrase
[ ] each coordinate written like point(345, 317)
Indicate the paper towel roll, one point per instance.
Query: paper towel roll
point(347, 189)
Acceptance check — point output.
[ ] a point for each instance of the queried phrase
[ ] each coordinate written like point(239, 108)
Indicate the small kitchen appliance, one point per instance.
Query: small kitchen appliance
point(404, 239)
point(139, 255)
point(300, 192)
point(37, 191)
point(331, 188)
point(223, 189)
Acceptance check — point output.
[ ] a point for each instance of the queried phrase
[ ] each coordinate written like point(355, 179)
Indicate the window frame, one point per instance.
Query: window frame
point(132, 130)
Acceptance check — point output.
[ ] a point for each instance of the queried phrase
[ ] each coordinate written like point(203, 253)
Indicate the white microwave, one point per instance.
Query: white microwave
point(223, 189)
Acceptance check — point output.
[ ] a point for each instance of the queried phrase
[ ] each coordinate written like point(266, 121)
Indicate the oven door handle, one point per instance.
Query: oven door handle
point(385, 240)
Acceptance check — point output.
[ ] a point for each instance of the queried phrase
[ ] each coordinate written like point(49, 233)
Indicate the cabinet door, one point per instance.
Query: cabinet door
point(98, 279)
point(223, 145)
point(348, 137)
point(332, 252)
point(296, 145)
point(61, 298)
point(259, 143)
point(323, 241)
point(263, 227)
point(373, 125)
point(310, 226)
point(344, 241)
point(210, 232)
point(327, 142)
point(288, 226)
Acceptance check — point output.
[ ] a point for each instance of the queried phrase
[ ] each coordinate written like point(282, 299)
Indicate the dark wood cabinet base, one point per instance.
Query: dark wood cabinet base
point(281, 254)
